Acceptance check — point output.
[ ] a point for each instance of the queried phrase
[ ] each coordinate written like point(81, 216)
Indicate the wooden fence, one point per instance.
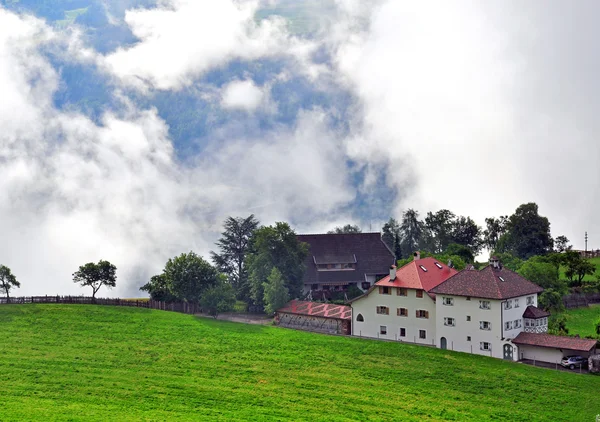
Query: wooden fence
point(578, 300)
point(183, 307)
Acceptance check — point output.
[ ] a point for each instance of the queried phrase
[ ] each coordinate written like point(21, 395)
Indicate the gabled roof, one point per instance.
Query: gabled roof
point(422, 274)
point(555, 342)
point(326, 310)
point(367, 250)
point(533, 312)
point(488, 283)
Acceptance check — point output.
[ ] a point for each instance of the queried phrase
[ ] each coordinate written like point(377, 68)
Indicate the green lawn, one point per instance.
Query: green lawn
point(582, 321)
point(595, 261)
point(78, 362)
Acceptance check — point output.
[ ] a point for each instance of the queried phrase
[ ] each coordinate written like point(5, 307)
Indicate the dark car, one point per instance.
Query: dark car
point(573, 362)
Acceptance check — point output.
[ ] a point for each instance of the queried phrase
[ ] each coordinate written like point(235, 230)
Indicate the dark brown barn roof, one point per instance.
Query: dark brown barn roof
point(555, 342)
point(325, 310)
point(489, 283)
point(372, 256)
point(533, 312)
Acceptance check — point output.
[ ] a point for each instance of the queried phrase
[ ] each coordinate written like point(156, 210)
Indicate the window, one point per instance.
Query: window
point(366, 285)
point(448, 301)
point(545, 321)
point(385, 290)
point(402, 332)
point(383, 330)
point(383, 310)
point(530, 300)
point(449, 321)
point(437, 264)
point(422, 314)
point(422, 334)
point(516, 303)
point(484, 345)
point(501, 279)
point(508, 325)
point(517, 323)
point(314, 287)
point(485, 304)
point(468, 317)
point(508, 304)
point(419, 293)
point(468, 338)
point(402, 312)
point(485, 325)
point(528, 323)
point(423, 268)
point(360, 318)
point(401, 292)
point(468, 297)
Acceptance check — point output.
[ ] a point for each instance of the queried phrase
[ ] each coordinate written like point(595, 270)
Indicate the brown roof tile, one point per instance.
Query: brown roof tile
point(533, 312)
point(555, 342)
point(488, 283)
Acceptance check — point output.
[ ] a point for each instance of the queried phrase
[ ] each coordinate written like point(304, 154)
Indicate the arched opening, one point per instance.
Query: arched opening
point(360, 318)
point(443, 342)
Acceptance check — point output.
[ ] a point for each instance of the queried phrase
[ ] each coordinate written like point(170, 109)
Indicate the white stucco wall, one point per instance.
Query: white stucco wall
point(515, 314)
point(543, 354)
point(367, 307)
point(457, 336)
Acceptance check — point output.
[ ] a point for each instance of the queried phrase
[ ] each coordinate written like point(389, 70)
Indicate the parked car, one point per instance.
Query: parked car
point(573, 362)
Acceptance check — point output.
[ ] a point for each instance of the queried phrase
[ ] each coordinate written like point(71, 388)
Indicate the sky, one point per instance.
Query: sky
point(319, 114)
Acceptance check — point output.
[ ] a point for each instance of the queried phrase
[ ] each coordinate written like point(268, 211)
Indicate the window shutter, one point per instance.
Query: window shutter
point(380, 290)
point(426, 314)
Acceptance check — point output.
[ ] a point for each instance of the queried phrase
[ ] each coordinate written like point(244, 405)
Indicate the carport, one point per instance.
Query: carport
point(549, 348)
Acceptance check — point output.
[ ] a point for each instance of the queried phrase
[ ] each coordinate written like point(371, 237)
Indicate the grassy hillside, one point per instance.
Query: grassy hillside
point(582, 321)
point(61, 362)
point(593, 277)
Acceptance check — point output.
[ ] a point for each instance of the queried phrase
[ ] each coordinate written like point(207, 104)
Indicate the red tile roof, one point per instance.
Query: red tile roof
point(555, 342)
point(413, 276)
point(489, 283)
point(533, 312)
point(326, 310)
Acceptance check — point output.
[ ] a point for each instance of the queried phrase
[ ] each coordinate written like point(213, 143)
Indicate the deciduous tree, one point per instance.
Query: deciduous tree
point(561, 244)
point(348, 228)
point(495, 228)
point(528, 233)
point(7, 280)
point(189, 275)
point(276, 247)
point(96, 275)
point(275, 293)
point(218, 299)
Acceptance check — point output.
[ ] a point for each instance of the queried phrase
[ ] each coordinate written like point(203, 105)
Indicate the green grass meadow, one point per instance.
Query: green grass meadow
point(83, 362)
point(593, 277)
point(582, 321)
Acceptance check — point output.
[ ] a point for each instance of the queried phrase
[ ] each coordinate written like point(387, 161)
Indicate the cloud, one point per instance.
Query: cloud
point(183, 39)
point(480, 113)
point(242, 95)
point(77, 190)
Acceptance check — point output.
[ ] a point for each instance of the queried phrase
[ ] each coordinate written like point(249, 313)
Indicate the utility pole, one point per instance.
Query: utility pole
point(586, 238)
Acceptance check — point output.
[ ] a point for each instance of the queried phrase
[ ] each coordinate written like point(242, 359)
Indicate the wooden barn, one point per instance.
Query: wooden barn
point(314, 316)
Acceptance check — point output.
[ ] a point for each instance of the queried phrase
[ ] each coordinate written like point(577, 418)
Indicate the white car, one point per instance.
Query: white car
point(573, 362)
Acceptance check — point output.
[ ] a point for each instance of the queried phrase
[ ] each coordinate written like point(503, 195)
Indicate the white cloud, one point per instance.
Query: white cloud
point(243, 95)
point(76, 191)
point(182, 39)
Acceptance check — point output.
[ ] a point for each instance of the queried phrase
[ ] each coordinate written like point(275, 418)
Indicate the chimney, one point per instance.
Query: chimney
point(417, 255)
point(495, 263)
point(392, 273)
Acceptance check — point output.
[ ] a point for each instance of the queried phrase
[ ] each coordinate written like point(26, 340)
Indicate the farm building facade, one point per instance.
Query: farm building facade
point(312, 316)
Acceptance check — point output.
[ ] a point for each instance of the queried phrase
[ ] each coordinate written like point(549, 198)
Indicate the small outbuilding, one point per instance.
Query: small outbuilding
point(315, 316)
point(550, 348)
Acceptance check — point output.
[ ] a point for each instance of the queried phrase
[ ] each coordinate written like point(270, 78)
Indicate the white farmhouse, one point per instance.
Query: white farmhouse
point(482, 311)
point(401, 306)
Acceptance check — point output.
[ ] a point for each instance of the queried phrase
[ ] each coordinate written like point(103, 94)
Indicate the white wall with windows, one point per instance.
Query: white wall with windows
point(512, 315)
point(468, 324)
point(395, 314)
